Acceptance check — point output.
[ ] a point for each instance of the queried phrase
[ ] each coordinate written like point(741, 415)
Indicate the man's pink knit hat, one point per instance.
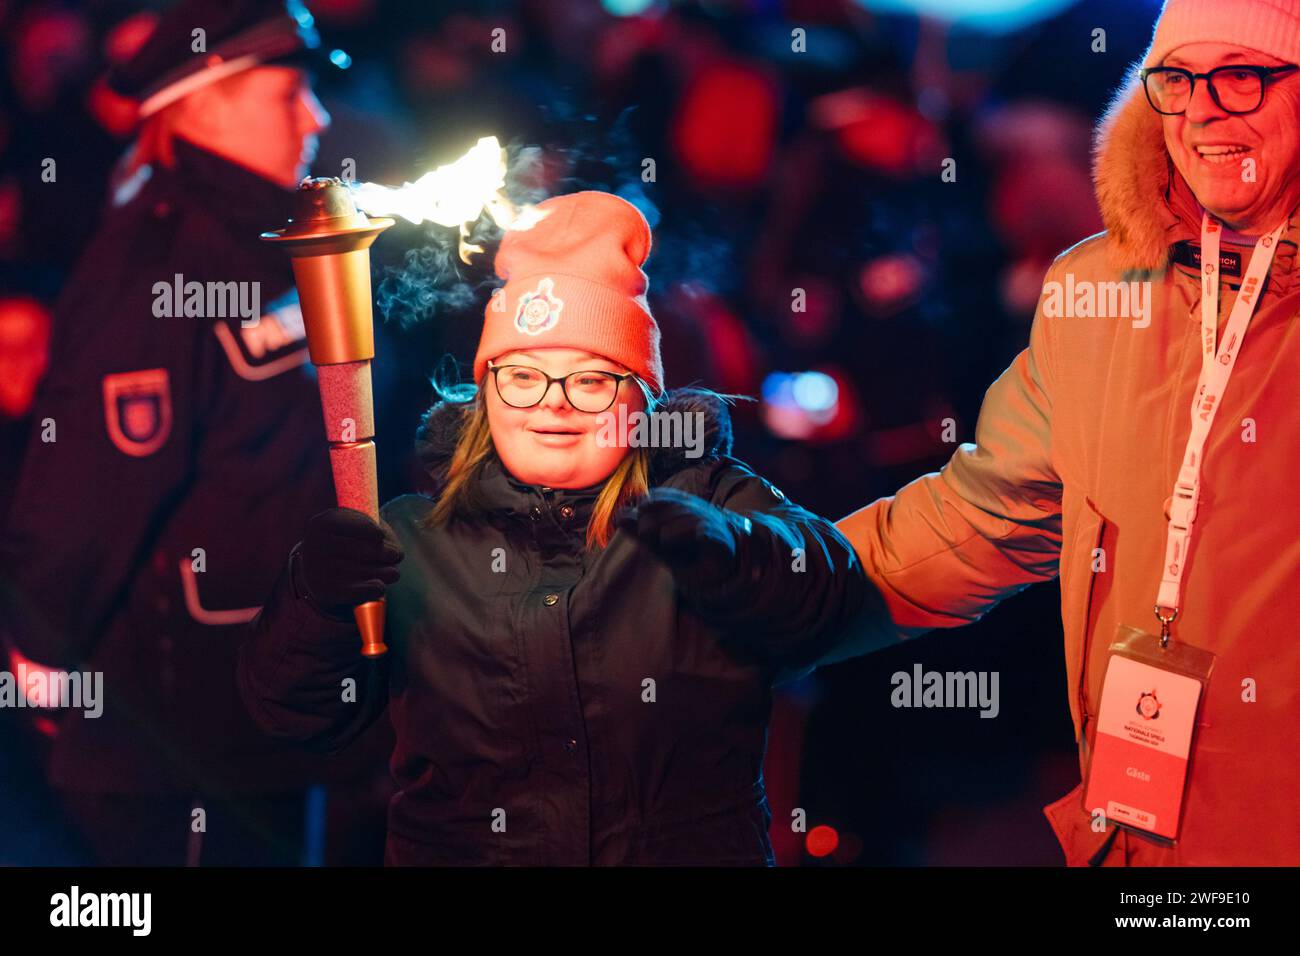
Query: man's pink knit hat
point(574, 280)
point(1270, 26)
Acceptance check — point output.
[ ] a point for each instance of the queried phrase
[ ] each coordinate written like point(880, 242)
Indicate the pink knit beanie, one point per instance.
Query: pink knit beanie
point(574, 280)
point(1270, 26)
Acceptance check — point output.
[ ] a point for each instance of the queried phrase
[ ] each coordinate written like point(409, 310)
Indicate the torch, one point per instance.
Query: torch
point(328, 240)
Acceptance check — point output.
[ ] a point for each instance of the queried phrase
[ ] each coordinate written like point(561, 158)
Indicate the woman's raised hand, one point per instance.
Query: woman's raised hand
point(697, 540)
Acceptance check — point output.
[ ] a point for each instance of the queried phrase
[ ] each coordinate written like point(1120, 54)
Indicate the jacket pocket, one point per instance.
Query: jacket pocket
point(1081, 565)
point(207, 615)
point(1073, 828)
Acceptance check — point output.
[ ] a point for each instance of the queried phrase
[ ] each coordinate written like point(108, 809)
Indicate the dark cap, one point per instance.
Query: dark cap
point(238, 35)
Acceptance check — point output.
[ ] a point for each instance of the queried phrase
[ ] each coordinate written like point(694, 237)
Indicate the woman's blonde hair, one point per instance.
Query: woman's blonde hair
point(628, 483)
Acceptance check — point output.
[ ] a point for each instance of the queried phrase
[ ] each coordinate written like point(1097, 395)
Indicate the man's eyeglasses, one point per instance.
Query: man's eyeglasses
point(521, 386)
point(1237, 88)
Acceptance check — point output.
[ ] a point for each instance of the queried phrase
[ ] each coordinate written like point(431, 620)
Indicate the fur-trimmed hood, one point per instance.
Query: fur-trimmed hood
point(1145, 203)
point(1132, 176)
point(435, 439)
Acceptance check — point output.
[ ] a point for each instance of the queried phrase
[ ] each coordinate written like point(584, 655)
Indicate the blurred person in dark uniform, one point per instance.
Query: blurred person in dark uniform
point(185, 451)
point(24, 357)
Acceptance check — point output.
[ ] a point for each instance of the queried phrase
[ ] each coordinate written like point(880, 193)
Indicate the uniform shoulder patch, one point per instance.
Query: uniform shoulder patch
point(272, 345)
point(138, 410)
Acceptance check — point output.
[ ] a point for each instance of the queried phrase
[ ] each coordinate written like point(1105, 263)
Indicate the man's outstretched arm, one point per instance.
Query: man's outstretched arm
point(950, 545)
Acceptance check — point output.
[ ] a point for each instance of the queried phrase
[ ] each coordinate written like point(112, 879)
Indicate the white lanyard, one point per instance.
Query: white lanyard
point(1216, 369)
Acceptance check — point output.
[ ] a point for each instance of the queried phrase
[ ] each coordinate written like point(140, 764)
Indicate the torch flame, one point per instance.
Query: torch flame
point(454, 195)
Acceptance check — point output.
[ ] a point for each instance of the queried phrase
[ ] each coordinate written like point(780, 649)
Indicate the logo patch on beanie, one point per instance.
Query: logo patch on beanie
point(538, 310)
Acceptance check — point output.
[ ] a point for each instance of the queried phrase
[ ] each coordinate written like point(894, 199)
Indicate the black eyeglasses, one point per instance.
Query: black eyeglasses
point(1237, 88)
point(523, 387)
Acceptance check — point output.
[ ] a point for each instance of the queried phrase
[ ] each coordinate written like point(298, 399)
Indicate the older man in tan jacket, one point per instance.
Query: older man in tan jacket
point(1086, 463)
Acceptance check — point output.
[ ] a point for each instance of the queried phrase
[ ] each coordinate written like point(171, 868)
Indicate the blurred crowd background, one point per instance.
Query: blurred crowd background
point(810, 252)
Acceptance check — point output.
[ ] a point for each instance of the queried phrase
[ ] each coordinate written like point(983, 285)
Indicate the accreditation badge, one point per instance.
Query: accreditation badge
point(1138, 767)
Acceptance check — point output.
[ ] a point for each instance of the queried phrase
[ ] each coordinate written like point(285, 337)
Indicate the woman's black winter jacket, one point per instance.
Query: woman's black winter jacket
point(560, 706)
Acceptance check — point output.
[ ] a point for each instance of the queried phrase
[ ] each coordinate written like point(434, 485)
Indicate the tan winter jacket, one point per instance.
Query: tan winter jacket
point(1077, 447)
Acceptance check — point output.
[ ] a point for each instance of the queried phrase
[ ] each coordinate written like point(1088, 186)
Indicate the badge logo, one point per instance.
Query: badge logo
point(1148, 707)
point(538, 310)
point(138, 410)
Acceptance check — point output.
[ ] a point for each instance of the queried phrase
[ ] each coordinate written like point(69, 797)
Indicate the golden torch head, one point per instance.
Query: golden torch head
point(328, 240)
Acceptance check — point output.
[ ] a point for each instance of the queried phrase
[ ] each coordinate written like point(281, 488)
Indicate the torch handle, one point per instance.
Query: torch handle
point(370, 622)
point(355, 486)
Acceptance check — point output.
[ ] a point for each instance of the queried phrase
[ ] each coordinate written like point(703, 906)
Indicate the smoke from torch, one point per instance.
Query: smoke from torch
point(328, 241)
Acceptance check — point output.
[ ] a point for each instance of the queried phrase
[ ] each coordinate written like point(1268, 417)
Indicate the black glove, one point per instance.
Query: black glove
point(346, 559)
point(698, 541)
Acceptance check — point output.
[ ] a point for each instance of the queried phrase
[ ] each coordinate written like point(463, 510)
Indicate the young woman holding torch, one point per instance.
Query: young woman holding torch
point(583, 635)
